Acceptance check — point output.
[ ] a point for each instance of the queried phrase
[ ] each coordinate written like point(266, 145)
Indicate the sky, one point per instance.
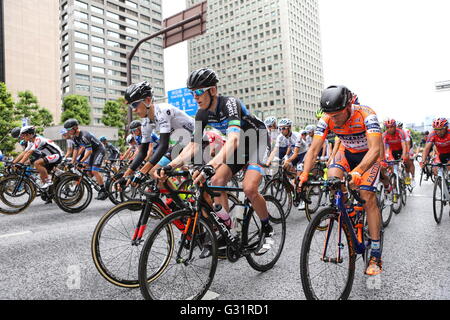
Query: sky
point(390, 53)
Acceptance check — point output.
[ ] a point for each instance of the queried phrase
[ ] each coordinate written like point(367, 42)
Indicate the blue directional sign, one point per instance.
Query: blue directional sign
point(183, 100)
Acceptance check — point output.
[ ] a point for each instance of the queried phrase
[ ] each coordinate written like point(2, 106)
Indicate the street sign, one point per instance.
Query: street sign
point(183, 100)
point(189, 30)
point(25, 122)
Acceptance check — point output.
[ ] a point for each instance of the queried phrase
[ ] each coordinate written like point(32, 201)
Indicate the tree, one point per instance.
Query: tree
point(115, 115)
point(6, 120)
point(28, 107)
point(76, 107)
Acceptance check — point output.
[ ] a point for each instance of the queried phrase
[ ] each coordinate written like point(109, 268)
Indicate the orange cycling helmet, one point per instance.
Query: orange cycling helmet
point(440, 123)
point(390, 123)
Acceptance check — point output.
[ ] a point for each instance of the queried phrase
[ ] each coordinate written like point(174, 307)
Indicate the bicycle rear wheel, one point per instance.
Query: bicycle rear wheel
point(114, 254)
point(385, 209)
point(280, 191)
point(396, 195)
point(327, 280)
point(72, 188)
point(251, 231)
point(16, 194)
point(438, 204)
point(180, 272)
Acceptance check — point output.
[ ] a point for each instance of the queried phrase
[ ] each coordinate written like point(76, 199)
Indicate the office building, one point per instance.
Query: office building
point(96, 36)
point(266, 52)
point(29, 50)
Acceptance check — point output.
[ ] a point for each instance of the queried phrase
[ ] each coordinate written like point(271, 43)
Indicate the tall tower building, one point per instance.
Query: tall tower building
point(29, 50)
point(96, 35)
point(266, 52)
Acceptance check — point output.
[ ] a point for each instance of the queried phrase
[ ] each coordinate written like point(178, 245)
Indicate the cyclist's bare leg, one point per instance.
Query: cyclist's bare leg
point(98, 177)
point(250, 185)
point(220, 179)
point(40, 168)
point(373, 213)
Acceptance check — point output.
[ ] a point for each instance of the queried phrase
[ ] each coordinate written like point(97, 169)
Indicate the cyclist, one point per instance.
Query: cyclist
point(440, 138)
point(271, 125)
point(360, 134)
point(94, 153)
point(310, 134)
point(43, 153)
point(410, 170)
point(394, 141)
point(132, 149)
point(231, 117)
point(111, 150)
point(70, 145)
point(169, 121)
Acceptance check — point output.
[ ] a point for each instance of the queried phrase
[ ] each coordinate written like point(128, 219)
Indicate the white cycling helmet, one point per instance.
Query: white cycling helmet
point(285, 123)
point(270, 121)
point(130, 138)
point(310, 128)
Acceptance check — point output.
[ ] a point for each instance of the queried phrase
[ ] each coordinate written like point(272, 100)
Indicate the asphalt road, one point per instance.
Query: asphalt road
point(45, 254)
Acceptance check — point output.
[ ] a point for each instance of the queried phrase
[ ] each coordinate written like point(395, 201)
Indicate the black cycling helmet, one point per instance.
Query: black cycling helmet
point(335, 98)
point(15, 133)
point(70, 123)
point(202, 78)
point(28, 130)
point(138, 91)
point(135, 124)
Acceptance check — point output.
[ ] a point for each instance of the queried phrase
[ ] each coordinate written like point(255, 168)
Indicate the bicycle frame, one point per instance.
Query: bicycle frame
point(360, 246)
point(443, 174)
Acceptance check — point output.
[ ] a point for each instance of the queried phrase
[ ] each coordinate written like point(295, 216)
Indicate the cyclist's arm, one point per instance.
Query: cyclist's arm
point(311, 155)
point(138, 159)
point(26, 156)
point(426, 151)
point(272, 155)
point(227, 150)
point(188, 152)
point(294, 155)
point(150, 152)
point(87, 154)
point(163, 146)
point(405, 149)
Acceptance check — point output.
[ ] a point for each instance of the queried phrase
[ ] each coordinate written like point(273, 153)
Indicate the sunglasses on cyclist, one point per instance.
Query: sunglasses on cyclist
point(136, 104)
point(135, 129)
point(284, 128)
point(200, 92)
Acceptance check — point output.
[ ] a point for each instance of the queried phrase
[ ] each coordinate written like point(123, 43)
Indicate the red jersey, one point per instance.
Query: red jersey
point(442, 144)
point(394, 141)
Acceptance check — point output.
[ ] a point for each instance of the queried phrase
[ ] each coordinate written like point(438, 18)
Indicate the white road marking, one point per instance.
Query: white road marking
point(210, 295)
point(15, 234)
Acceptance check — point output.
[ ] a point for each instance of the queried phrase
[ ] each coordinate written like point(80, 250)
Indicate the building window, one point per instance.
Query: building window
point(98, 70)
point(81, 56)
point(82, 77)
point(81, 45)
point(81, 66)
point(82, 87)
point(81, 4)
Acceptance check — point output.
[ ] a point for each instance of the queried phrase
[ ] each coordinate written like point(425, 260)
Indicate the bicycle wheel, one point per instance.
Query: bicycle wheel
point(323, 280)
point(282, 193)
point(180, 272)
point(438, 203)
point(251, 230)
point(396, 195)
point(318, 199)
point(69, 189)
point(113, 194)
point(16, 194)
point(114, 254)
point(385, 209)
point(404, 193)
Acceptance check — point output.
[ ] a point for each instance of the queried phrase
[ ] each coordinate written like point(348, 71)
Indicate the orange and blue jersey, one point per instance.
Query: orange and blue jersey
point(362, 123)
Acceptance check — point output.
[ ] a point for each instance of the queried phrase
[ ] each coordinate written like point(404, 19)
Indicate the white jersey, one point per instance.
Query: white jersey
point(147, 129)
point(46, 146)
point(294, 141)
point(170, 119)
